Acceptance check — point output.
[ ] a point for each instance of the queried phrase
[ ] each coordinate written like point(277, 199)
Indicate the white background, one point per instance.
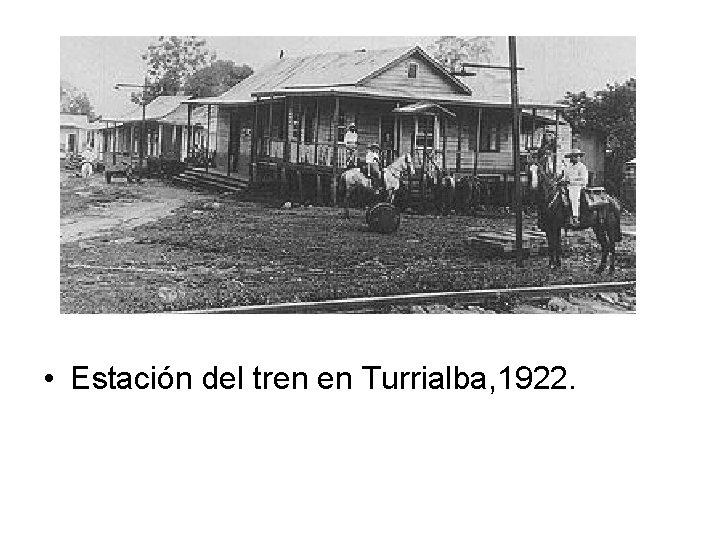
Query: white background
point(630, 453)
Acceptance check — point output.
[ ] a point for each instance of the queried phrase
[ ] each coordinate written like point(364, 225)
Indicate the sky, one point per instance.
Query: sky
point(553, 65)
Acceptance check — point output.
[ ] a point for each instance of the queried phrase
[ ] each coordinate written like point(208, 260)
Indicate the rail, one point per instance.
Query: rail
point(472, 296)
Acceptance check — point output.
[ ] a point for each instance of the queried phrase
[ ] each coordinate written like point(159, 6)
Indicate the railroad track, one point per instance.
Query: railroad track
point(478, 296)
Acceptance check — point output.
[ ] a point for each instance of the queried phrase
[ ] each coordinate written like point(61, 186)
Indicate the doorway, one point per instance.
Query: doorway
point(388, 144)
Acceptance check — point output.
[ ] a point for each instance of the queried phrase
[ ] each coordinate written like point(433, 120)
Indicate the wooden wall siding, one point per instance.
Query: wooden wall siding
point(429, 80)
point(222, 138)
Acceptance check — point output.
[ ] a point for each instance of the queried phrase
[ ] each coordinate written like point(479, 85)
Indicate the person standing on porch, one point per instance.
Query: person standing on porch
point(350, 140)
point(576, 174)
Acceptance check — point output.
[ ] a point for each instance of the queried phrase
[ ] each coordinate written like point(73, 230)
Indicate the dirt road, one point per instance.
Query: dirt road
point(101, 209)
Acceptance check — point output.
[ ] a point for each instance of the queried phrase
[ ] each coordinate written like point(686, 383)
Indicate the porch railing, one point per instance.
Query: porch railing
point(303, 153)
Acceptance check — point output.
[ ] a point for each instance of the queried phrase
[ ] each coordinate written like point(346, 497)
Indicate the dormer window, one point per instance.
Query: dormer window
point(412, 70)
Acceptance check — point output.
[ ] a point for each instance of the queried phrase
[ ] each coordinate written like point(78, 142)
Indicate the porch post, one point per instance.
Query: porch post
point(557, 140)
point(132, 142)
point(534, 114)
point(477, 141)
point(253, 143)
point(229, 139)
point(297, 146)
point(270, 122)
point(443, 127)
point(424, 163)
point(114, 143)
point(317, 132)
point(188, 143)
point(207, 139)
point(286, 146)
point(334, 127)
point(300, 129)
point(458, 155)
point(396, 142)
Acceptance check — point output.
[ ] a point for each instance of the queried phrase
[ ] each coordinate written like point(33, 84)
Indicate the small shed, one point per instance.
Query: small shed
point(76, 134)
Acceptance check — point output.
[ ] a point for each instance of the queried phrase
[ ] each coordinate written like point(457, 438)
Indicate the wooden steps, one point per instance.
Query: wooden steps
point(211, 180)
point(502, 243)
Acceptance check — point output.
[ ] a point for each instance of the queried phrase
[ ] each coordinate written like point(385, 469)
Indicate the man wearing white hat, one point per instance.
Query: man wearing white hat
point(576, 174)
point(350, 140)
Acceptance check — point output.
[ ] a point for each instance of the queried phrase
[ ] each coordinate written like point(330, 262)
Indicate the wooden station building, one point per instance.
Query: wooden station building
point(284, 126)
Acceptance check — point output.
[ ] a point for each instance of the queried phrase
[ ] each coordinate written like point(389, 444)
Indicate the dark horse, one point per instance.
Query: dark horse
point(554, 214)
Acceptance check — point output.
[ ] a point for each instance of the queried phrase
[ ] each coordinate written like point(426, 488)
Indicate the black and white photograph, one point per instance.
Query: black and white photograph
point(412, 174)
point(313, 167)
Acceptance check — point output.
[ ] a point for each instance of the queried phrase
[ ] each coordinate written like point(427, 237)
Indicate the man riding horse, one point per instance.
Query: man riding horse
point(593, 208)
point(576, 175)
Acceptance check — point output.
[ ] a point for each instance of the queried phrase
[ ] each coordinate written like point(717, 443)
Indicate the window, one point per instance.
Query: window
point(277, 129)
point(308, 126)
point(412, 70)
point(490, 130)
point(425, 132)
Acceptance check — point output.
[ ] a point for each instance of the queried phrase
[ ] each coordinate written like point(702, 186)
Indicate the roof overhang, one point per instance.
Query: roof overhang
point(426, 109)
point(370, 93)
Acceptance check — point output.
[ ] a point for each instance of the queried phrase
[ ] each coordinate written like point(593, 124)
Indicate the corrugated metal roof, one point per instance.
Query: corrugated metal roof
point(423, 108)
point(406, 94)
point(157, 109)
point(340, 73)
point(318, 70)
point(74, 121)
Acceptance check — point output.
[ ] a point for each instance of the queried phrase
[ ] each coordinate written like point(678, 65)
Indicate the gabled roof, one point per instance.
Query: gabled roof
point(429, 59)
point(346, 68)
point(346, 74)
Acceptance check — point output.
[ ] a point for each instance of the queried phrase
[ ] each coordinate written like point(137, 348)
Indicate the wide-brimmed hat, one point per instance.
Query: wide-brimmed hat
point(374, 145)
point(575, 152)
point(351, 125)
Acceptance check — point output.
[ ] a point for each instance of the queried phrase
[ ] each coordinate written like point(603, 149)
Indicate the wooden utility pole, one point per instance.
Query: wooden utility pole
point(512, 45)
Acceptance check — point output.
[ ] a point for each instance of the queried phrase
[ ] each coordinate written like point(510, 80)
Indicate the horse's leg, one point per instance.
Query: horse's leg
point(552, 246)
point(347, 202)
point(603, 240)
point(558, 246)
point(614, 234)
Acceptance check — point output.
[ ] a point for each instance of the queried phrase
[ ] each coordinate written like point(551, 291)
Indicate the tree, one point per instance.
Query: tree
point(80, 104)
point(452, 51)
point(170, 64)
point(612, 113)
point(216, 78)
point(72, 101)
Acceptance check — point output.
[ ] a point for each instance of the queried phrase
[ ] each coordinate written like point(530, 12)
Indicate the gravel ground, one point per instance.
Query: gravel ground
point(217, 251)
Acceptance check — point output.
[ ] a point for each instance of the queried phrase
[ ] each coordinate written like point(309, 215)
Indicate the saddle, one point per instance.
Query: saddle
point(594, 198)
point(592, 201)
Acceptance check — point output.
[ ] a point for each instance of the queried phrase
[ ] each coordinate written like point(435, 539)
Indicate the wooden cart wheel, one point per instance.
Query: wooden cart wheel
point(383, 218)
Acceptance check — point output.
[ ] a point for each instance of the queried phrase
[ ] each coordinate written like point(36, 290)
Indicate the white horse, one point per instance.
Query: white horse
point(356, 183)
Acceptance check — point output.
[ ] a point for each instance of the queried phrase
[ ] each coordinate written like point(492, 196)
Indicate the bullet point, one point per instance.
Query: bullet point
point(48, 378)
